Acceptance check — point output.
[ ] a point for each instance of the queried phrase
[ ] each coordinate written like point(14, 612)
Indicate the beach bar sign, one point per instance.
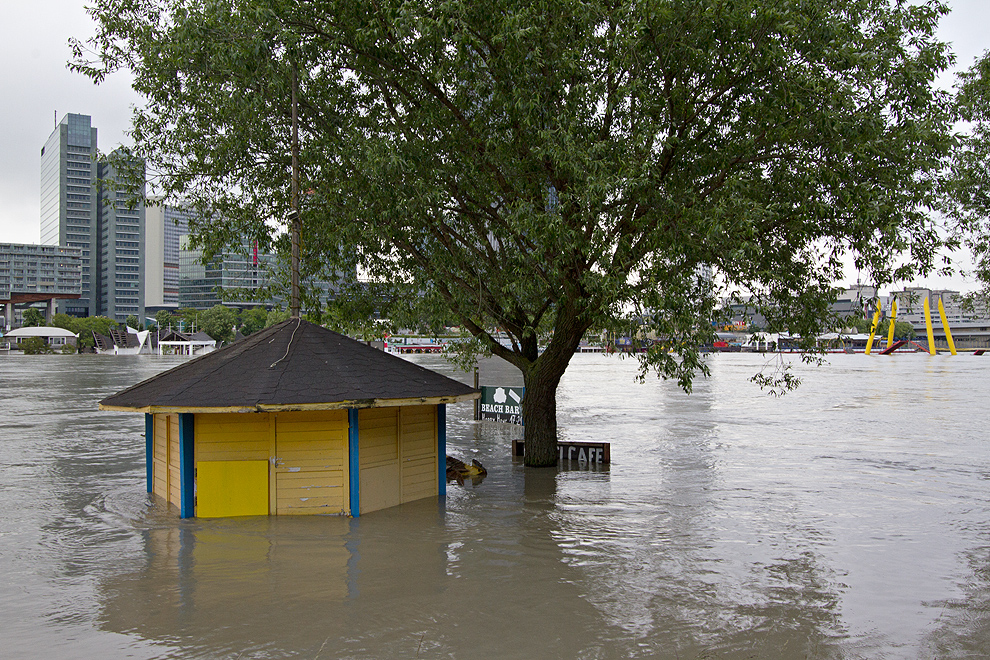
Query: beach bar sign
point(502, 404)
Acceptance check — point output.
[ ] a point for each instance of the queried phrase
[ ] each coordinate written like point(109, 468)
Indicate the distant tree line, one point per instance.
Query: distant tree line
point(219, 322)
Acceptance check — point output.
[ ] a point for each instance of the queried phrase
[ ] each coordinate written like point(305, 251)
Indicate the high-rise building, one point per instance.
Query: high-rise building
point(241, 277)
point(164, 228)
point(84, 205)
point(201, 286)
point(121, 219)
point(69, 204)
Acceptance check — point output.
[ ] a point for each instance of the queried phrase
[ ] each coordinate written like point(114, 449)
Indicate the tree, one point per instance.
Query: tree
point(35, 346)
point(132, 321)
point(164, 319)
point(219, 322)
point(253, 319)
point(968, 182)
point(902, 329)
point(33, 318)
point(529, 171)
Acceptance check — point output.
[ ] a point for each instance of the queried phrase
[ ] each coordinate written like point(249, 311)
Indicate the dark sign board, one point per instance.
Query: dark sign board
point(582, 452)
point(502, 404)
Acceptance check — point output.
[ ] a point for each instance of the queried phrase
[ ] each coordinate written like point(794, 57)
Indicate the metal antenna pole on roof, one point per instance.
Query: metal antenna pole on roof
point(294, 202)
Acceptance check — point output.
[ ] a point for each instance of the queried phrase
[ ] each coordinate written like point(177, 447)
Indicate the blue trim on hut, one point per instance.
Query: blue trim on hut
point(354, 467)
point(442, 449)
point(149, 450)
point(187, 466)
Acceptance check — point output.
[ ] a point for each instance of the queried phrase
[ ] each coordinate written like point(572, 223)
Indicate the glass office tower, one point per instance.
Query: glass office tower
point(69, 205)
point(82, 206)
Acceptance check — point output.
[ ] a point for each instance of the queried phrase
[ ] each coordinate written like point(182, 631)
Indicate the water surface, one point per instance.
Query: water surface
point(849, 519)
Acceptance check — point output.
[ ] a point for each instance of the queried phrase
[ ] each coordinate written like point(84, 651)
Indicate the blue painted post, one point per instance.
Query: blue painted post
point(442, 448)
point(149, 449)
point(354, 464)
point(187, 466)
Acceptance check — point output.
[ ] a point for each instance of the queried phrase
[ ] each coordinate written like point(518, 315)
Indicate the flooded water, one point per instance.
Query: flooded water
point(849, 519)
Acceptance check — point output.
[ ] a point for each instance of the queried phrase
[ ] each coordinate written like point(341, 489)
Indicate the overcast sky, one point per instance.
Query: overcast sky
point(36, 85)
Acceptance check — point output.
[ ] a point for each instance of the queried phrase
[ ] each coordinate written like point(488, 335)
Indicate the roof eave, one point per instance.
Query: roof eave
point(286, 407)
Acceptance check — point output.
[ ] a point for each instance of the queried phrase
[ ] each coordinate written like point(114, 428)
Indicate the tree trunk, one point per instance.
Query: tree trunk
point(539, 411)
point(539, 406)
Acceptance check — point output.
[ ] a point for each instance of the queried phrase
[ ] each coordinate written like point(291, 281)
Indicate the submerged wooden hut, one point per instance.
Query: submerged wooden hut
point(294, 419)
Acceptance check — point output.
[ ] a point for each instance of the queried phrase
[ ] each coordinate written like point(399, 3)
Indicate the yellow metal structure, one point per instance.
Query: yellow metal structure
point(231, 488)
point(893, 320)
point(945, 326)
point(873, 329)
point(928, 327)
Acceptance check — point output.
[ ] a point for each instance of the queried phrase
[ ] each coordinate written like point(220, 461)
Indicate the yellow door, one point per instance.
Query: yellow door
point(310, 462)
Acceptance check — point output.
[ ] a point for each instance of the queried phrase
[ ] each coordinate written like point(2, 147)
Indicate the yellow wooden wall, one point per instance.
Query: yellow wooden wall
point(418, 439)
point(307, 457)
point(397, 454)
point(378, 456)
point(166, 458)
point(311, 462)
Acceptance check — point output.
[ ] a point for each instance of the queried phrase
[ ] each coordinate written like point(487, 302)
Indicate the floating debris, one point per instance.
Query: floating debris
point(458, 470)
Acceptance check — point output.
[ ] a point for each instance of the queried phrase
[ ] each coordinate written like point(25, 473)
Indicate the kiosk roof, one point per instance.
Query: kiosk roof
point(294, 365)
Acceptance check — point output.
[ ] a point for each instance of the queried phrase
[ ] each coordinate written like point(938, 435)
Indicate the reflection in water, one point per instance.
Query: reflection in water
point(847, 520)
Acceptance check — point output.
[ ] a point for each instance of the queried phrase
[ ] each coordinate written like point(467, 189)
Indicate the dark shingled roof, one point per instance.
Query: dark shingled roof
point(294, 365)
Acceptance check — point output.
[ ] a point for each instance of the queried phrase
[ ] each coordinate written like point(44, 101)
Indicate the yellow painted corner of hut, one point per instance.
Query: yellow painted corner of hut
point(298, 462)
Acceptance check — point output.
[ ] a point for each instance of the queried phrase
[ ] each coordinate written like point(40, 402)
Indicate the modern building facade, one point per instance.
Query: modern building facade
point(35, 273)
point(69, 203)
point(164, 227)
point(120, 286)
point(234, 273)
point(83, 206)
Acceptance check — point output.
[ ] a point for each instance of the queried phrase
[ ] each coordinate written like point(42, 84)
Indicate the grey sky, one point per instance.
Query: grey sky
point(35, 85)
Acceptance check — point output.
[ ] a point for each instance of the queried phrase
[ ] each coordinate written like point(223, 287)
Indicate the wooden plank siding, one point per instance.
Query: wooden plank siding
point(223, 439)
point(311, 462)
point(165, 472)
point(418, 436)
point(174, 469)
point(398, 455)
point(378, 453)
point(232, 437)
point(307, 454)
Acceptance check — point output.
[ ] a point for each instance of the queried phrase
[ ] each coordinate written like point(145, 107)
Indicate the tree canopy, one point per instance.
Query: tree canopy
point(33, 318)
point(531, 170)
point(968, 183)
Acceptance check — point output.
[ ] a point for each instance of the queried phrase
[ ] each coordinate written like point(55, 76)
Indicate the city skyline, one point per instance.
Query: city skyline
point(35, 36)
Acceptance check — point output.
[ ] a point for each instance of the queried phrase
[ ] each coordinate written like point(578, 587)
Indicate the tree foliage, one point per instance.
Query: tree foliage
point(164, 319)
point(538, 169)
point(902, 329)
point(32, 318)
point(35, 346)
point(968, 183)
point(253, 319)
point(84, 327)
point(219, 322)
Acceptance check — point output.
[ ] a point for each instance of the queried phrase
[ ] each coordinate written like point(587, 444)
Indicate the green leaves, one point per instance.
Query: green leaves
point(545, 168)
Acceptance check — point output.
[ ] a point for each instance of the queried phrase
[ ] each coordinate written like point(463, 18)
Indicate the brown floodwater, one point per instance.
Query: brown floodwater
point(849, 519)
